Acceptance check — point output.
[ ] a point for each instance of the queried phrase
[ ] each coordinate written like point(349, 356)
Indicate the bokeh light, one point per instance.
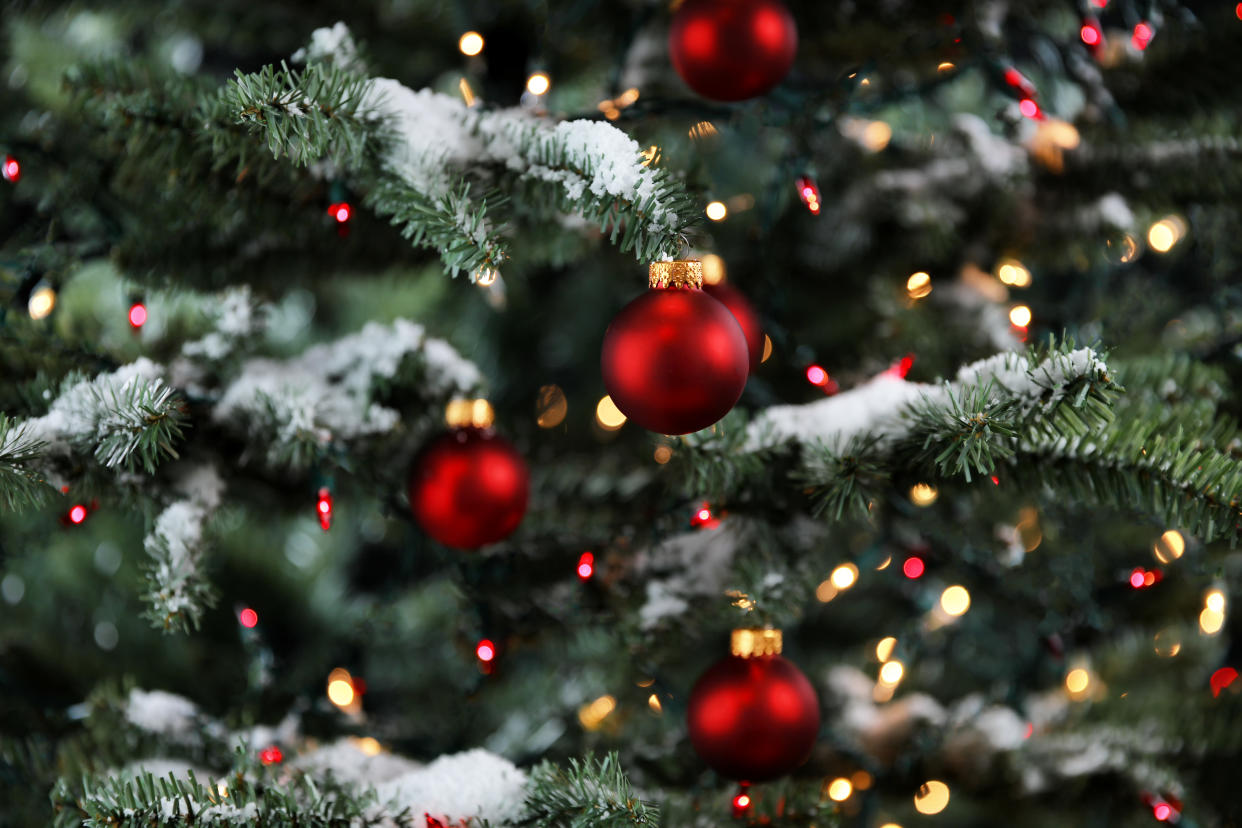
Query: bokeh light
point(248, 618)
point(538, 84)
point(1077, 681)
point(551, 407)
point(892, 672)
point(42, 301)
point(713, 269)
point(840, 789)
point(884, 648)
point(919, 285)
point(844, 576)
point(932, 797)
point(716, 211)
point(923, 494)
point(1020, 315)
point(607, 415)
point(1170, 546)
point(955, 600)
point(471, 44)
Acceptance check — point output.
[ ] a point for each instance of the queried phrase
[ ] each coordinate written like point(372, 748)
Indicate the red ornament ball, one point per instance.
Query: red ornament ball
point(469, 488)
point(745, 315)
point(731, 50)
point(753, 719)
point(674, 360)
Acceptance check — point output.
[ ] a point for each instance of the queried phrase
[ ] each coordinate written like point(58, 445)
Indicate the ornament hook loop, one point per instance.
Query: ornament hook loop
point(686, 273)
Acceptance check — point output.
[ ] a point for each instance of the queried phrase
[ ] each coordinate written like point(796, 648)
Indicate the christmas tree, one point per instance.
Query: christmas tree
point(500, 413)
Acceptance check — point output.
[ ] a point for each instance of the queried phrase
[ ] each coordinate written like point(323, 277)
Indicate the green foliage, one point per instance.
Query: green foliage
point(591, 793)
point(306, 116)
point(138, 424)
point(21, 485)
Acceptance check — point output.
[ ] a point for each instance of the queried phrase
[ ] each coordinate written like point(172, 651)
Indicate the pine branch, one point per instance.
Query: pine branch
point(20, 484)
point(178, 591)
point(451, 223)
point(590, 794)
point(306, 116)
point(137, 424)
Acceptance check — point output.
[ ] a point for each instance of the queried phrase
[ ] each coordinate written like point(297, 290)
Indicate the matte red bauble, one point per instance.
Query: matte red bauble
point(745, 315)
point(674, 360)
point(469, 487)
point(753, 716)
point(731, 50)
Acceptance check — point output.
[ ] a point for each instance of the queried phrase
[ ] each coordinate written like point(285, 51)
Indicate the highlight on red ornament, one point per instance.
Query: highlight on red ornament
point(340, 211)
point(11, 169)
point(137, 315)
point(324, 509)
point(1143, 33)
point(586, 566)
point(271, 755)
point(248, 618)
point(1221, 679)
point(913, 567)
point(808, 191)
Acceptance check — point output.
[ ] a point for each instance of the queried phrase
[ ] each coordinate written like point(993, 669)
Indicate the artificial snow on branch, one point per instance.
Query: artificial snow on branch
point(125, 419)
point(178, 591)
point(293, 409)
point(21, 484)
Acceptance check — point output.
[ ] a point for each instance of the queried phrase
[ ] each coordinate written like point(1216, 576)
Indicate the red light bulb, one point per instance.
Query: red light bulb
point(248, 618)
point(586, 566)
point(1136, 578)
point(324, 509)
point(485, 650)
point(1090, 34)
point(1143, 34)
point(77, 514)
point(1162, 811)
point(271, 755)
point(137, 315)
point(1221, 679)
point(913, 567)
point(808, 191)
point(341, 212)
point(816, 375)
point(11, 169)
point(1030, 109)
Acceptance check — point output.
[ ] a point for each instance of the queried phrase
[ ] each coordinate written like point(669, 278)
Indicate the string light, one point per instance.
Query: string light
point(1215, 601)
point(955, 600)
point(42, 301)
point(1165, 233)
point(369, 746)
point(918, 285)
point(767, 349)
point(1211, 621)
point(1170, 546)
point(703, 129)
point(662, 454)
point(717, 211)
point(808, 192)
point(741, 804)
point(551, 407)
point(932, 797)
point(271, 755)
point(1167, 643)
point(946, 66)
point(77, 514)
point(816, 375)
point(840, 789)
point(137, 315)
point(913, 568)
point(485, 651)
point(470, 43)
point(923, 494)
point(248, 618)
point(861, 779)
point(876, 135)
point(538, 84)
point(1020, 316)
point(884, 648)
point(586, 566)
point(485, 276)
point(1077, 681)
point(1091, 34)
point(592, 715)
point(323, 508)
point(713, 269)
point(892, 672)
point(1030, 109)
point(341, 211)
point(11, 170)
point(703, 517)
point(1143, 33)
point(1012, 272)
point(607, 415)
point(467, 94)
point(825, 592)
point(844, 576)
point(341, 688)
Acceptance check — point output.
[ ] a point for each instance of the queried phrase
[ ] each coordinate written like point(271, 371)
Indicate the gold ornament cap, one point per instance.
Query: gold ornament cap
point(756, 642)
point(686, 273)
